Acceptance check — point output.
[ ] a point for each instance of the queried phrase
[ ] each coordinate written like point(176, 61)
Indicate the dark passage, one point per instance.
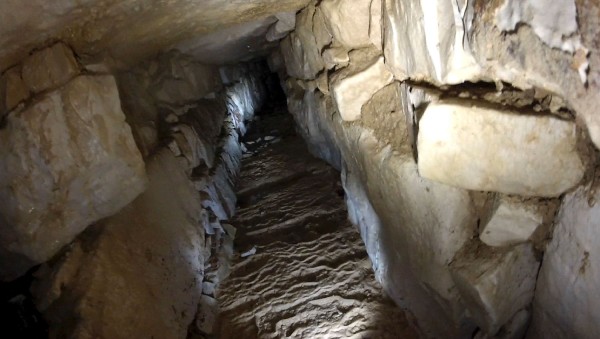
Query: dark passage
point(305, 273)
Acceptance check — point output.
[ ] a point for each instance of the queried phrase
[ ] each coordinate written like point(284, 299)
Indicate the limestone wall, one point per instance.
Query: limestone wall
point(68, 156)
point(466, 132)
point(124, 235)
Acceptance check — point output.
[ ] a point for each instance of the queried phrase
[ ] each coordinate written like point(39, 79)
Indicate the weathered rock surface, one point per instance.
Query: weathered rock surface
point(495, 284)
point(566, 298)
point(49, 68)
point(12, 90)
point(300, 51)
point(285, 23)
point(181, 80)
point(351, 92)
point(426, 40)
point(136, 274)
point(335, 57)
point(69, 160)
point(511, 222)
point(349, 21)
point(480, 148)
point(124, 32)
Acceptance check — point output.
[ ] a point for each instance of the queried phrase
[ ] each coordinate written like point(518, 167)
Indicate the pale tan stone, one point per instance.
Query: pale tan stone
point(14, 89)
point(49, 68)
point(145, 266)
point(479, 148)
point(352, 92)
point(511, 222)
point(495, 284)
point(348, 21)
point(67, 161)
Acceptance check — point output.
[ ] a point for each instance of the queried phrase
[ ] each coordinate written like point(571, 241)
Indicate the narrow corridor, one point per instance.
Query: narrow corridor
point(310, 276)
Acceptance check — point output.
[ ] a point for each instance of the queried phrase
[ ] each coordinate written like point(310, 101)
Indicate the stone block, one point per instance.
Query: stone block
point(12, 89)
point(208, 309)
point(495, 284)
point(566, 297)
point(49, 68)
point(335, 57)
point(475, 147)
point(67, 161)
point(320, 31)
point(353, 91)
point(300, 52)
point(428, 42)
point(511, 221)
point(348, 21)
point(285, 23)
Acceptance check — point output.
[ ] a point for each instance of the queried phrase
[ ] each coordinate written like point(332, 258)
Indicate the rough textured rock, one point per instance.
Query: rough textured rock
point(352, 91)
point(426, 40)
point(140, 108)
point(318, 136)
point(565, 304)
point(495, 284)
point(135, 274)
point(480, 148)
point(554, 22)
point(511, 222)
point(12, 90)
point(68, 160)
point(335, 57)
point(285, 23)
point(49, 68)
point(181, 80)
point(349, 21)
point(300, 51)
point(123, 33)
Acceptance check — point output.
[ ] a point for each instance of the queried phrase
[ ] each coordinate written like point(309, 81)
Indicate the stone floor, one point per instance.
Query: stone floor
point(300, 269)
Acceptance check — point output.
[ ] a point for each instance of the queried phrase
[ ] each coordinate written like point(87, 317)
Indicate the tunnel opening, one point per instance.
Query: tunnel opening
point(299, 169)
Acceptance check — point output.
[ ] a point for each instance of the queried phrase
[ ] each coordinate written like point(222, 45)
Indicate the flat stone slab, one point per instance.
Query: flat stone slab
point(479, 148)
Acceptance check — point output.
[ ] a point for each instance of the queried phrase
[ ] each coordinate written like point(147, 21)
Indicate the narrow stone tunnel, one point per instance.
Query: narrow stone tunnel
point(299, 169)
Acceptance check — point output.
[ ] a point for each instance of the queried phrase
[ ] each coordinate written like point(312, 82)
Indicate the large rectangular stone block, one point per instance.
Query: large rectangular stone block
point(67, 161)
point(479, 148)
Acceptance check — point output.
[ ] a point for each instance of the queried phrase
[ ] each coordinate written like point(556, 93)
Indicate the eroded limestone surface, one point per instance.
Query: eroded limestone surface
point(69, 160)
point(306, 273)
point(483, 149)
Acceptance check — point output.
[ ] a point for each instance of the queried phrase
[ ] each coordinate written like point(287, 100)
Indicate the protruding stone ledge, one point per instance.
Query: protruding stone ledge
point(479, 148)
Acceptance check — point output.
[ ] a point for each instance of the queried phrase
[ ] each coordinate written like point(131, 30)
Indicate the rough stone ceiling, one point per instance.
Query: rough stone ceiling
point(127, 31)
point(240, 42)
